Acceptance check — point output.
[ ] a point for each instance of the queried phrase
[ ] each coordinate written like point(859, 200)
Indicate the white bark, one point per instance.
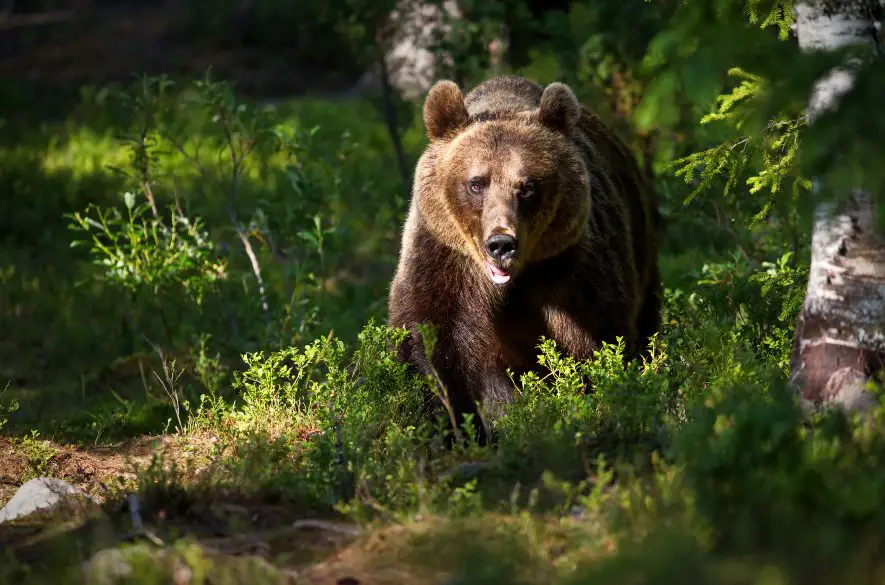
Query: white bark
point(840, 336)
point(411, 60)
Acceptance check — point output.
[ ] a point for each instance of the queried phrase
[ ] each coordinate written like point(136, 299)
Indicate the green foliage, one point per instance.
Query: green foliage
point(352, 409)
point(699, 456)
point(235, 227)
point(370, 442)
point(7, 409)
point(777, 145)
point(778, 13)
point(142, 250)
point(787, 482)
point(553, 421)
point(765, 112)
point(38, 452)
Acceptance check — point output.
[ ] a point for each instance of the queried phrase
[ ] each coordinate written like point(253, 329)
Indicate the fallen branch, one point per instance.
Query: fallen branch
point(236, 161)
point(39, 19)
point(325, 525)
point(134, 505)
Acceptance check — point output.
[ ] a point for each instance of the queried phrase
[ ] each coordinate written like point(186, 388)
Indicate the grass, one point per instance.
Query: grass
point(287, 444)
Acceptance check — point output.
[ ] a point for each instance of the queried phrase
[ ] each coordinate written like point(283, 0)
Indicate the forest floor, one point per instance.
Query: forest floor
point(275, 542)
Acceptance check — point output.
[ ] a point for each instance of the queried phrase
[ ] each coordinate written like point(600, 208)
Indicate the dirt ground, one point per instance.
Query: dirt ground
point(318, 551)
point(299, 549)
point(92, 469)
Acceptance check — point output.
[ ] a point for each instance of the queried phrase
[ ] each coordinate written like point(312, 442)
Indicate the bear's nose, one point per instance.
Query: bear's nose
point(501, 247)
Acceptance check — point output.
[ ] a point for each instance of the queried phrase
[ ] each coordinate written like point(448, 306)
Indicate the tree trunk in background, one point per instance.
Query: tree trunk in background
point(390, 119)
point(840, 335)
point(411, 62)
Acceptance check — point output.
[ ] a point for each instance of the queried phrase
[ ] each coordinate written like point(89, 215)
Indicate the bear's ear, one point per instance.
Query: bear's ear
point(560, 108)
point(444, 110)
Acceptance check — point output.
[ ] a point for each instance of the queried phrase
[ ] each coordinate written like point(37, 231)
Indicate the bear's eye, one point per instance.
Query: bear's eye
point(475, 187)
point(527, 190)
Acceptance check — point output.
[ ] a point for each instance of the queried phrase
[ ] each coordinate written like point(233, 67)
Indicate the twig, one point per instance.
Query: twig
point(253, 260)
point(439, 388)
point(169, 384)
point(443, 394)
point(148, 192)
point(325, 525)
point(234, 217)
point(144, 169)
point(236, 161)
point(135, 512)
point(134, 505)
point(39, 19)
point(340, 460)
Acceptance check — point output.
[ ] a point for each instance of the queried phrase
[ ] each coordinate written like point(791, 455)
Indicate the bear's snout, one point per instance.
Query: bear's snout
point(501, 247)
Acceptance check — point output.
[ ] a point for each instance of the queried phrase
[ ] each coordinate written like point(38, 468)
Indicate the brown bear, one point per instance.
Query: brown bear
point(528, 218)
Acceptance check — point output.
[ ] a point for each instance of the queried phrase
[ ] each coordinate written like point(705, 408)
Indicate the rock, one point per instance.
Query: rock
point(109, 565)
point(39, 494)
point(577, 513)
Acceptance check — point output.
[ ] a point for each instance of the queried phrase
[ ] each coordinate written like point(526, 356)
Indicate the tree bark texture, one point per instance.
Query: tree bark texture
point(839, 343)
point(411, 61)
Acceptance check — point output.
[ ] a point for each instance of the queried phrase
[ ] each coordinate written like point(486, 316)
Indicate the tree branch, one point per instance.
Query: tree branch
point(236, 161)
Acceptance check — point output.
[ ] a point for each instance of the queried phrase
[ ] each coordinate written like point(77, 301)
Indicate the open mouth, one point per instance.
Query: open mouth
point(496, 274)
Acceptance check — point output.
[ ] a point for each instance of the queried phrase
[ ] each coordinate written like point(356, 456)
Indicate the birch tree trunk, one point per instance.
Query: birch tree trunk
point(840, 335)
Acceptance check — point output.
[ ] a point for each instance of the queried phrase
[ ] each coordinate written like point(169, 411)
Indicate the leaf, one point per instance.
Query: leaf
point(94, 223)
point(658, 107)
point(129, 198)
point(308, 236)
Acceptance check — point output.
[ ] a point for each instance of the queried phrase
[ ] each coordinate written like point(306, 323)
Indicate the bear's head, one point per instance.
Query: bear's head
point(508, 188)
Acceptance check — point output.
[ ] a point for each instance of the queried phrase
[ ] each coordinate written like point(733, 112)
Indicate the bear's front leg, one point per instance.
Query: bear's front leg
point(496, 390)
point(573, 335)
point(456, 382)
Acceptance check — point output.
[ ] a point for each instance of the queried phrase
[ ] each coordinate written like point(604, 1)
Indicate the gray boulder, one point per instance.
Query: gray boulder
point(38, 495)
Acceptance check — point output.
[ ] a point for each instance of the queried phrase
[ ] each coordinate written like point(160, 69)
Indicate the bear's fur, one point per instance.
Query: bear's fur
point(517, 159)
